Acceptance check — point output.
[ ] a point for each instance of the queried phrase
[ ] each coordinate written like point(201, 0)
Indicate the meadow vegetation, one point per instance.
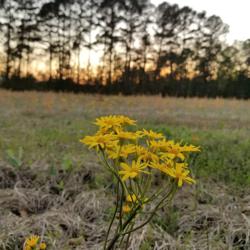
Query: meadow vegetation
point(52, 186)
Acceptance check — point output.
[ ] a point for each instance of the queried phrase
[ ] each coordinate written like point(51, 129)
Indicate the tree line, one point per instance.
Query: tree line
point(119, 46)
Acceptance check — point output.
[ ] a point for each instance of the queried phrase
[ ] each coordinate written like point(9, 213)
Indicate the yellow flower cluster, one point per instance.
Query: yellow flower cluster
point(140, 152)
point(132, 157)
point(32, 243)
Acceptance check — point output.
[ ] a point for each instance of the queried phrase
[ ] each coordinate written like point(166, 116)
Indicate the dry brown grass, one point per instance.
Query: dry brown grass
point(75, 217)
point(198, 112)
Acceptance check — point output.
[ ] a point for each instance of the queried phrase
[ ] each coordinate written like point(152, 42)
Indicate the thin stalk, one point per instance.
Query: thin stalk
point(131, 217)
point(157, 193)
point(113, 171)
point(117, 236)
point(153, 212)
point(123, 188)
point(139, 189)
point(113, 217)
point(120, 212)
point(128, 237)
point(121, 241)
point(134, 192)
point(147, 185)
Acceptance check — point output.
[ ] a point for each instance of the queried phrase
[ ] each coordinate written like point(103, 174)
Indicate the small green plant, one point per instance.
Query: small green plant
point(61, 185)
point(15, 159)
point(67, 164)
point(133, 158)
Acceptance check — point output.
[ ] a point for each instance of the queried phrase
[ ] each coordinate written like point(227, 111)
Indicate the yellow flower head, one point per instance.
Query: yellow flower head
point(120, 151)
point(175, 150)
point(32, 241)
point(112, 153)
point(147, 156)
point(150, 134)
point(113, 122)
point(190, 148)
point(107, 122)
point(163, 167)
point(42, 246)
point(124, 120)
point(131, 171)
point(172, 153)
point(99, 141)
point(139, 150)
point(181, 174)
point(161, 145)
point(127, 150)
point(125, 135)
point(131, 198)
point(126, 208)
point(103, 131)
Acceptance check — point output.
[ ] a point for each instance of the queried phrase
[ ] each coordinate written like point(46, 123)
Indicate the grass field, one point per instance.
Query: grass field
point(50, 184)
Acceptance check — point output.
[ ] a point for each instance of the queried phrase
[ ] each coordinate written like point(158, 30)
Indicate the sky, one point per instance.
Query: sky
point(235, 13)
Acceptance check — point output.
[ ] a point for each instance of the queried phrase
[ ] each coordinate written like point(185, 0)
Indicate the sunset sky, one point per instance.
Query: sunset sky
point(234, 13)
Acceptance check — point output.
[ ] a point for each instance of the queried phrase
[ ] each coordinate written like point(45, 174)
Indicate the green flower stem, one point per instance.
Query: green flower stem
point(140, 191)
point(132, 216)
point(134, 192)
point(123, 188)
point(131, 188)
point(121, 241)
point(170, 194)
point(120, 212)
point(128, 237)
point(147, 185)
point(126, 223)
point(106, 164)
point(119, 151)
point(157, 193)
point(113, 217)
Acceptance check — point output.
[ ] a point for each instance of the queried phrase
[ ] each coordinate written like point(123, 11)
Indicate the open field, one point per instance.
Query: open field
point(50, 184)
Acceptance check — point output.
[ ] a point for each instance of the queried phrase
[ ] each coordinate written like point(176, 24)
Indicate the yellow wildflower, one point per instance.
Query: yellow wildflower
point(99, 141)
point(164, 167)
point(139, 150)
point(181, 174)
point(161, 145)
point(112, 153)
point(42, 246)
point(102, 131)
point(126, 150)
point(108, 122)
point(124, 120)
point(190, 148)
point(175, 150)
point(173, 153)
point(131, 198)
point(150, 134)
point(125, 135)
point(126, 208)
point(147, 156)
point(133, 170)
point(117, 151)
point(113, 122)
point(31, 241)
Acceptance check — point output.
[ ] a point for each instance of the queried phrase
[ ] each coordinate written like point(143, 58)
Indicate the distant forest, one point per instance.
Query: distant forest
point(119, 46)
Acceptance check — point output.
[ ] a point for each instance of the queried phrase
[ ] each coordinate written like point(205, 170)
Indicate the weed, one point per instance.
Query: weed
point(15, 158)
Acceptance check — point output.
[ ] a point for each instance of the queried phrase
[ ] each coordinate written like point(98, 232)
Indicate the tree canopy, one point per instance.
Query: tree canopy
point(120, 46)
